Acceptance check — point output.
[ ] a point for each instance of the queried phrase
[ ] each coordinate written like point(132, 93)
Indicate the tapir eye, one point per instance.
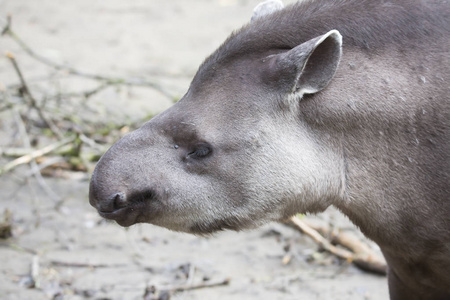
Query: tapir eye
point(200, 150)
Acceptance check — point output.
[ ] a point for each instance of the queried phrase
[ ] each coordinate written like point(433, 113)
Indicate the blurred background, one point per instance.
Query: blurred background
point(75, 76)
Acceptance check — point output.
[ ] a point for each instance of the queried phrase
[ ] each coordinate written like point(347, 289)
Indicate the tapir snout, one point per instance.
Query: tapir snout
point(119, 189)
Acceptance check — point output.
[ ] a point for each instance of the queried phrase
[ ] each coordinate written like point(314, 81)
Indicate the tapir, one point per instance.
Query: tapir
point(320, 103)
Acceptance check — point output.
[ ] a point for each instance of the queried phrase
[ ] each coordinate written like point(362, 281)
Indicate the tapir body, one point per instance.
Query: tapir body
point(322, 103)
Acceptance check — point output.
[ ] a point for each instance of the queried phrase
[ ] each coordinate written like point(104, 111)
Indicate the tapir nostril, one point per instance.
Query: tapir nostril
point(119, 200)
point(112, 203)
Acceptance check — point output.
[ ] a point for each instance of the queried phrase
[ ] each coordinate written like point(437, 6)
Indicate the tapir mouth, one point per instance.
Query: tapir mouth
point(125, 216)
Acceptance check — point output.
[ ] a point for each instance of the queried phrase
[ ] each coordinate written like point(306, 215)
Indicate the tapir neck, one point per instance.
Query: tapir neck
point(390, 144)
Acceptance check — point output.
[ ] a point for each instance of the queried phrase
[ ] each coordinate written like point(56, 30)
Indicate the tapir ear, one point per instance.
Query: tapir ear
point(309, 67)
point(265, 8)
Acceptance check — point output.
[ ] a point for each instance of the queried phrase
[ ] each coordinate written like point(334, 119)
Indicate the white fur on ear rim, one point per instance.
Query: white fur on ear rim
point(265, 8)
point(307, 68)
point(322, 63)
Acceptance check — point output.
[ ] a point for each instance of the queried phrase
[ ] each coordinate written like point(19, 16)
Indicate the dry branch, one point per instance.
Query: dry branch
point(34, 167)
point(361, 255)
point(64, 124)
point(34, 154)
point(32, 101)
point(17, 247)
point(206, 284)
point(59, 125)
point(364, 257)
point(152, 293)
point(58, 263)
point(319, 239)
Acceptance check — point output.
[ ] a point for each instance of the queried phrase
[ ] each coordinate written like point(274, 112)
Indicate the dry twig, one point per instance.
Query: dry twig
point(33, 163)
point(319, 239)
point(361, 255)
point(206, 284)
point(58, 263)
point(34, 154)
point(32, 101)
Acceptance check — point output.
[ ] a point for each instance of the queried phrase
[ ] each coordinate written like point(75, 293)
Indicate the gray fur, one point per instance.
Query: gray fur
point(248, 144)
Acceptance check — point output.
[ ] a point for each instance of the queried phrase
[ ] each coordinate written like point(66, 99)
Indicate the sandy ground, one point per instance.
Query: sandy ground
point(81, 256)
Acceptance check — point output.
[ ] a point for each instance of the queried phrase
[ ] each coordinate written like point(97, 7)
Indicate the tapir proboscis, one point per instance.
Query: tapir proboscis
point(317, 104)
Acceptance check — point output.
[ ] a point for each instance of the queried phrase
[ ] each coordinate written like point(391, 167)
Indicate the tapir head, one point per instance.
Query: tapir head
point(234, 152)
